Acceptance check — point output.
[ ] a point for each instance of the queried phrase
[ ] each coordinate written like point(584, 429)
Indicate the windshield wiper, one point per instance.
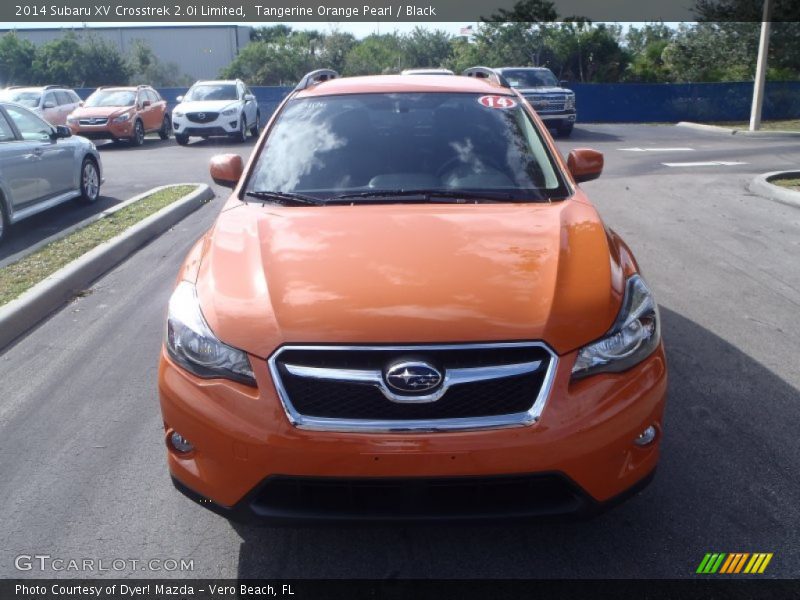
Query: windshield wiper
point(444, 196)
point(286, 197)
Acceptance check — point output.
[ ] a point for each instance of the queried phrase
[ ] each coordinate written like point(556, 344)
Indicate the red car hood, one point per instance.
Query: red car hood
point(409, 273)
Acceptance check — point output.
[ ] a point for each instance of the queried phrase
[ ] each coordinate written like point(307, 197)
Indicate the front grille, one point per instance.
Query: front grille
point(547, 103)
point(93, 121)
point(453, 497)
point(203, 117)
point(348, 401)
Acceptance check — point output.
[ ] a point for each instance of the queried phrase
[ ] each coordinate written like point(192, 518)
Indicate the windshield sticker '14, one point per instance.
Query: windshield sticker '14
point(497, 101)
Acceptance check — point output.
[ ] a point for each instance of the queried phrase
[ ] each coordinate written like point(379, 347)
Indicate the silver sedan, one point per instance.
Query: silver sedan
point(42, 165)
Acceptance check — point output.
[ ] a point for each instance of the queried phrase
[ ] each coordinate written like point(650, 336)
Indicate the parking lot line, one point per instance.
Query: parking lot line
point(710, 163)
point(683, 149)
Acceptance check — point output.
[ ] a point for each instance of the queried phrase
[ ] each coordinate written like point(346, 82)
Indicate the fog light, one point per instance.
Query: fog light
point(180, 443)
point(646, 437)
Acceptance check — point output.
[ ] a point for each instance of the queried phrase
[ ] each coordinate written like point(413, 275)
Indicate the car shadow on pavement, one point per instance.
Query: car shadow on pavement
point(150, 142)
point(581, 134)
point(29, 232)
point(727, 482)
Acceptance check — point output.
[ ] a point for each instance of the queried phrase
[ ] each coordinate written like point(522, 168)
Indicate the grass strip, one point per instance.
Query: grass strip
point(22, 275)
point(785, 125)
point(792, 184)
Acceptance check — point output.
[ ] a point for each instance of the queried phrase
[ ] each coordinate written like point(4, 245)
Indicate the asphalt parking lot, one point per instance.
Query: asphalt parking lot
point(82, 459)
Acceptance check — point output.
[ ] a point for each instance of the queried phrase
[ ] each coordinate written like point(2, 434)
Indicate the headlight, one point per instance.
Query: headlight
point(177, 113)
point(192, 345)
point(569, 103)
point(229, 111)
point(122, 118)
point(633, 337)
point(72, 119)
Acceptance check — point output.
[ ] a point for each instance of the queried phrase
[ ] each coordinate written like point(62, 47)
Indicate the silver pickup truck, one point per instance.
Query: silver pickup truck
point(554, 104)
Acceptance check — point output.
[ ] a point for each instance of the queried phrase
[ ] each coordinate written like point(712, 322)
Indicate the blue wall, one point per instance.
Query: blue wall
point(629, 102)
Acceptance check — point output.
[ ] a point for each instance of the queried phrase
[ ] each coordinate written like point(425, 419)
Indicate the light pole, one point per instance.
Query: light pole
point(761, 69)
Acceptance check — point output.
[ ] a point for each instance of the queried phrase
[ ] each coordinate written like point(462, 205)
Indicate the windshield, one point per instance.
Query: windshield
point(528, 78)
point(433, 142)
point(111, 98)
point(29, 99)
point(211, 92)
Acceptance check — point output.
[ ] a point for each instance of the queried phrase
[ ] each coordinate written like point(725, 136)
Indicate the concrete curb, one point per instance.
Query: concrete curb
point(23, 313)
point(761, 185)
point(743, 132)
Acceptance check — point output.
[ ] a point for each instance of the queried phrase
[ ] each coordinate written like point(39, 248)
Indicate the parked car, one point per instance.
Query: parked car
point(216, 108)
point(408, 308)
point(122, 113)
point(427, 72)
point(41, 165)
point(51, 102)
point(554, 103)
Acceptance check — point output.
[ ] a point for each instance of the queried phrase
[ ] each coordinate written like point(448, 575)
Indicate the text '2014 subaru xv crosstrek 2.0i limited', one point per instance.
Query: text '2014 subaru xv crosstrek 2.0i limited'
point(407, 309)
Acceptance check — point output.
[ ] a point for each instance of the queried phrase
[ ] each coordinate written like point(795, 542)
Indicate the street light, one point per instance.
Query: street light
point(761, 69)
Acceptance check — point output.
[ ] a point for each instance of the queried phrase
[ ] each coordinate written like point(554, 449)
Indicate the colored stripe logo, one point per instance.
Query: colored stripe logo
point(733, 563)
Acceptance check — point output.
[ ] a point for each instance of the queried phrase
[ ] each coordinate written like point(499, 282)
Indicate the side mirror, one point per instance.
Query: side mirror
point(49, 105)
point(226, 169)
point(249, 97)
point(179, 99)
point(61, 131)
point(146, 103)
point(585, 164)
point(80, 103)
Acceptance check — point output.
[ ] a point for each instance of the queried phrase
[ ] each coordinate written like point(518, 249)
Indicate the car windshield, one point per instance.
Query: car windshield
point(29, 99)
point(111, 98)
point(528, 78)
point(211, 92)
point(364, 146)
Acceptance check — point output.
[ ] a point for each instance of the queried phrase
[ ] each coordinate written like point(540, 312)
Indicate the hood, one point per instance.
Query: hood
point(409, 274)
point(544, 90)
point(206, 105)
point(84, 112)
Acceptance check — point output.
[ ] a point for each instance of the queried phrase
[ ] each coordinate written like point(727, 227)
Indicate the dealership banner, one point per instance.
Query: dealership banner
point(416, 589)
point(340, 11)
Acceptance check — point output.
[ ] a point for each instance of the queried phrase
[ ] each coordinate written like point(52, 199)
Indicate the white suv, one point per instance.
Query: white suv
point(212, 108)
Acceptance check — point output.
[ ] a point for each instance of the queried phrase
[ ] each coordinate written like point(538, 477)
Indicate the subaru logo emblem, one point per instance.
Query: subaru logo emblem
point(412, 377)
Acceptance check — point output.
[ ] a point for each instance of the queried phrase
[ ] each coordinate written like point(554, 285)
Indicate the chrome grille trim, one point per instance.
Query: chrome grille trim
point(521, 419)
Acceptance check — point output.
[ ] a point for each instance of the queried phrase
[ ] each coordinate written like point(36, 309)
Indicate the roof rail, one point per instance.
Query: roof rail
point(51, 87)
point(487, 73)
point(315, 77)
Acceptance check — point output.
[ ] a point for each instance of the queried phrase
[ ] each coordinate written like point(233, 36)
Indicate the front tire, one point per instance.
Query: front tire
point(241, 135)
point(166, 128)
point(181, 139)
point(90, 181)
point(565, 131)
point(256, 129)
point(138, 134)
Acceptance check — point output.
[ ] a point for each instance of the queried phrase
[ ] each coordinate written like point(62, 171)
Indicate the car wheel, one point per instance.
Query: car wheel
point(565, 131)
point(241, 136)
point(166, 128)
point(138, 134)
point(90, 181)
point(255, 129)
point(4, 224)
point(181, 139)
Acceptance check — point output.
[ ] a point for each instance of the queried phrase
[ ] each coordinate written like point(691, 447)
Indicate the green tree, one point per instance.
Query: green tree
point(375, 54)
point(102, 64)
point(16, 59)
point(59, 61)
point(425, 48)
point(335, 48)
point(144, 67)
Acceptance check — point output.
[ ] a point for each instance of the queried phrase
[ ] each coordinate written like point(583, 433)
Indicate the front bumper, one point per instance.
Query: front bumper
point(558, 118)
point(221, 126)
point(248, 458)
point(108, 131)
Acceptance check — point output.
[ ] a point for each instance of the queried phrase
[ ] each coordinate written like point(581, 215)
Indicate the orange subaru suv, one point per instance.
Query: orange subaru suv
point(409, 309)
point(122, 113)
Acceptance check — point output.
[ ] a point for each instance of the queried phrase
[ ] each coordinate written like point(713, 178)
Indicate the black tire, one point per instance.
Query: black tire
point(565, 131)
point(4, 224)
point(241, 135)
point(181, 139)
point(256, 129)
point(90, 181)
point(137, 139)
point(166, 128)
